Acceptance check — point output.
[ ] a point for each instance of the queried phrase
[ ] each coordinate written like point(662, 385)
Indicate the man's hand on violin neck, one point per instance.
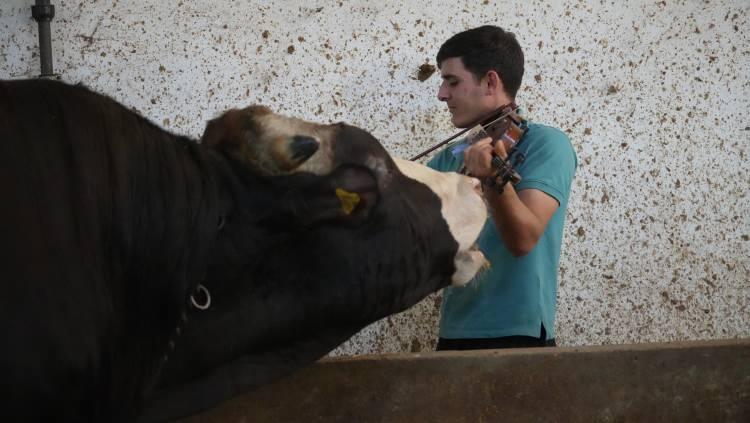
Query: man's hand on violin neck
point(478, 157)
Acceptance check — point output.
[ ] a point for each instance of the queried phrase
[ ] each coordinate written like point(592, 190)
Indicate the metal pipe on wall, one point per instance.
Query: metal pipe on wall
point(43, 12)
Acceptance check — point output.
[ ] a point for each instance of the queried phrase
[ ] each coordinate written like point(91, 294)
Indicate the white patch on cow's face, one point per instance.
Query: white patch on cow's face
point(464, 210)
point(380, 167)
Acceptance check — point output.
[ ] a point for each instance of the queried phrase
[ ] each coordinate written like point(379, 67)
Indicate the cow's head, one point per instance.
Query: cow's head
point(272, 144)
point(325, 233)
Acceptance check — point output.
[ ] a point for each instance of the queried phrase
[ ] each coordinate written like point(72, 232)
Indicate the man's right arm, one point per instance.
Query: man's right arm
point(445, 161)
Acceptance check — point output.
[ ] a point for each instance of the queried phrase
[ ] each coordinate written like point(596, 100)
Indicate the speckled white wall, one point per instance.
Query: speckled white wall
point(655, 96)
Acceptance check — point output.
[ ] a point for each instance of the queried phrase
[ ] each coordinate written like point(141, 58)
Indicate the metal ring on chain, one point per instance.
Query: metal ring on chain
point(195, 303)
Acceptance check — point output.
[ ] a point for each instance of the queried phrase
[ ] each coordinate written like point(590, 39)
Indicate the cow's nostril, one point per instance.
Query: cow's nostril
point(302, 147)
point(477, 185)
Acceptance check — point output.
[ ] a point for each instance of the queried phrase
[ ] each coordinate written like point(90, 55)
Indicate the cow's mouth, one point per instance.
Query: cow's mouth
point(485, 263)
point(475, 247)
point(469, 263)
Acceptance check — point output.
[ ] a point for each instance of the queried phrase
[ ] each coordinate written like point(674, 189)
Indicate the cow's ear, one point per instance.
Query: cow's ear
point(240, 134)
point(348, 195)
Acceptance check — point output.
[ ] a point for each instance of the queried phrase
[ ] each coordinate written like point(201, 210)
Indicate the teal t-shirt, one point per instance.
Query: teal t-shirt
point(517, 294)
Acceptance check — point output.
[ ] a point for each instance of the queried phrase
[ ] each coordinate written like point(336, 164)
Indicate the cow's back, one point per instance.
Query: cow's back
point(45, 280)
point(89, 190)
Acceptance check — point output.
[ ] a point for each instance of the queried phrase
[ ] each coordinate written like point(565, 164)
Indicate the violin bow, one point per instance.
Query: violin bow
point(491, 115)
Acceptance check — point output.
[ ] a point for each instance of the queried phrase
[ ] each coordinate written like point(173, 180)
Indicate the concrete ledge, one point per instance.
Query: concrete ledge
point(673, 382)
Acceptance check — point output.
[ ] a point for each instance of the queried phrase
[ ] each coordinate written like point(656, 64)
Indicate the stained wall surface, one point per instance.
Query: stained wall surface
point(654, 95)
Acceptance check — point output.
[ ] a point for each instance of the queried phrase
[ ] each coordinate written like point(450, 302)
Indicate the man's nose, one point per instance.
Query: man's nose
point(442, 93)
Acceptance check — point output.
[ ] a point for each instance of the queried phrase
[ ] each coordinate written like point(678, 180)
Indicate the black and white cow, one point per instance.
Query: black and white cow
point(145, 275)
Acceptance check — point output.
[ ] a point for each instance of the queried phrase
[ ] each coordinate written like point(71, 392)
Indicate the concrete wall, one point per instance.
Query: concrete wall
point(655, 96)
point(675, 382)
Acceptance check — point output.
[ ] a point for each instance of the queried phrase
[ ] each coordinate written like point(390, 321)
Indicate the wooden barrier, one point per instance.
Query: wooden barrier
point(672, 382)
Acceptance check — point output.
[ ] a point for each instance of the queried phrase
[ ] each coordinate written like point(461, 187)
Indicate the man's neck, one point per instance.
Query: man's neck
point(491, 114)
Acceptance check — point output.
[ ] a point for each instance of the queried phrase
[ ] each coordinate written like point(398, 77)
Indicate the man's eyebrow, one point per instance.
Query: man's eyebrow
point(448, 76)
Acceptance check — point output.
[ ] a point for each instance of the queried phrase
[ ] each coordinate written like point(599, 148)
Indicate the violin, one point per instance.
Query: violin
point(503, 123)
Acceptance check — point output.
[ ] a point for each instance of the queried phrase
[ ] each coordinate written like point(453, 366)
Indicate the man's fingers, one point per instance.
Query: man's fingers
point(484, 141)
point(478, 158)
point(500, 150)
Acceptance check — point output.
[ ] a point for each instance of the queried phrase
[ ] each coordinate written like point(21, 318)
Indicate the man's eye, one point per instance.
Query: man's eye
point(452, 83)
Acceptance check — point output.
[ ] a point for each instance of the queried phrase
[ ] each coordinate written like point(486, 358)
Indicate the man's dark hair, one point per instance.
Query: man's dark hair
point(487, 48)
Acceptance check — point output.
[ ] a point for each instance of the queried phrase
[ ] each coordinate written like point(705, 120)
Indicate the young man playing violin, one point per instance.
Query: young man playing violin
point(513, 303)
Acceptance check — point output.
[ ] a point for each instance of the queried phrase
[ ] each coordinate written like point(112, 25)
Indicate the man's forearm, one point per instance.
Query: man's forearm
point(519, 228)
point(520, 218)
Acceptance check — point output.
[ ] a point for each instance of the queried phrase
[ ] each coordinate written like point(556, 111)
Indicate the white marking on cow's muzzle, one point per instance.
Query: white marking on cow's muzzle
point(464, 210)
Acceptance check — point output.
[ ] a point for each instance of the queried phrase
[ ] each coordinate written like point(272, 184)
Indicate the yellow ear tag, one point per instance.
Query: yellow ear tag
point(349, 200)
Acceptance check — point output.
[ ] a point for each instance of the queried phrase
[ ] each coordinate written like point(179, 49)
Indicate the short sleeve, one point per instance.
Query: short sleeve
point(550, 162)
point(445, 161)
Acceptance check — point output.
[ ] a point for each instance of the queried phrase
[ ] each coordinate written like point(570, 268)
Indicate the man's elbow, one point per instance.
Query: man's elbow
point(521, 242)
point(520, 249)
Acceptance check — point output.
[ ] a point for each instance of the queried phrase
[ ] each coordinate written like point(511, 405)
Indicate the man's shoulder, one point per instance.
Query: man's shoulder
point(548, 133)
point(550, 161)
point(445, 160)
point(549, 139)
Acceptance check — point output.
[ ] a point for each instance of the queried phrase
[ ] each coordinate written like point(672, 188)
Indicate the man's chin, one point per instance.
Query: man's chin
point(458, 122)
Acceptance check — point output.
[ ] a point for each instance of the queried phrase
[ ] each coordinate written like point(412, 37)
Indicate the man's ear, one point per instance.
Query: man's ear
point(494, 83)
point(346, 196)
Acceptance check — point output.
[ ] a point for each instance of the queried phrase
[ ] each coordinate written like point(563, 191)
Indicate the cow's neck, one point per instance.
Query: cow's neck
point(166, 215)
point(227, 184)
